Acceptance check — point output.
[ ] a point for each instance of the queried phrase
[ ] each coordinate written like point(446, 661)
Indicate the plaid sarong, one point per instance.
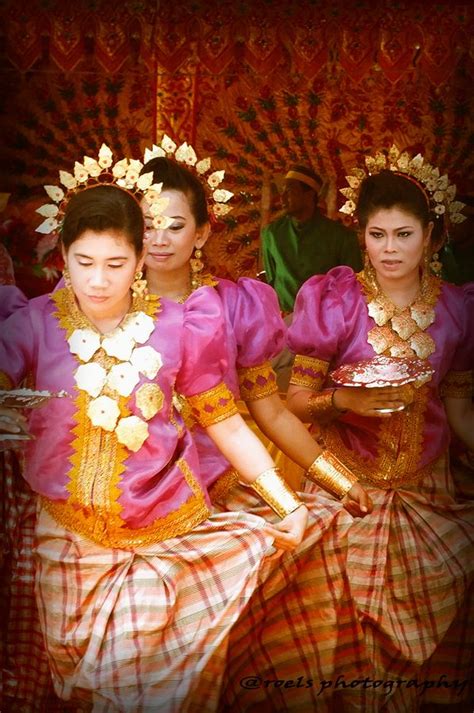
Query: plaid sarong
point(26, 679)
point(363, 602)
point(146, 631)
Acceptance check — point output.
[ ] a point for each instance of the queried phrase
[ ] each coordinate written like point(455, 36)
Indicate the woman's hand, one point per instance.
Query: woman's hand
point(289, 532)
point(368, 401)
point(12, 422)
point(357, 501)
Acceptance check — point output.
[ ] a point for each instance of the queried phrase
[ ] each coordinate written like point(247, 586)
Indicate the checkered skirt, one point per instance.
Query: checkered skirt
point(148, 630)
point(362, 602)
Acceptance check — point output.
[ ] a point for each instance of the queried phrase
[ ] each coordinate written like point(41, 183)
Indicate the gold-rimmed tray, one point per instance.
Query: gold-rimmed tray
point(28, 398)
point(383, 371)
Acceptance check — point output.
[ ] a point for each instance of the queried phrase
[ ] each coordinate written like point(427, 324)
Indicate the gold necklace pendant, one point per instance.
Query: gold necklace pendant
point(401, 332)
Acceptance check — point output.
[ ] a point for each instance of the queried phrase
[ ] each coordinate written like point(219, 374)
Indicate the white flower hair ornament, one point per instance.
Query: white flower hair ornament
point(217, 197)
point(438, 191)
point(124, 173)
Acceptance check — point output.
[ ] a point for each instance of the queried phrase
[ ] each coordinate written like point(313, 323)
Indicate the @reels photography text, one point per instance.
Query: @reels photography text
point(327, 685)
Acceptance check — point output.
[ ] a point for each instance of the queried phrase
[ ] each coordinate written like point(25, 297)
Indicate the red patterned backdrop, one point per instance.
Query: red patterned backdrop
point(256, 84)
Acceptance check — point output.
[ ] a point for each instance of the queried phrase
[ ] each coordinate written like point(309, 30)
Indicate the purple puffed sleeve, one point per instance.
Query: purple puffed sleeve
point(17, 347)
point(204, 359)
point(318, 319)
point(11, 299)
point(259, 330)
point(459, 381)
point(319, 325)
point(464, 357)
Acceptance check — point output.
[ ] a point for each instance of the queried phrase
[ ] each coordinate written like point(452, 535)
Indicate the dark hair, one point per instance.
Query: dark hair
point(388, 190)
point(176, 177)
point(102, 208)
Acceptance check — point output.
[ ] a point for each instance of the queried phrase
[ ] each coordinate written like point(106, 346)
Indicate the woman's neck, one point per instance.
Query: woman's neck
point(173, 285)
point(108, 320)
point(402, 291)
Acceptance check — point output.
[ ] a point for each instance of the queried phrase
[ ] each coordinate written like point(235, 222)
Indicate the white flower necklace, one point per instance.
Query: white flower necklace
point(121, 377)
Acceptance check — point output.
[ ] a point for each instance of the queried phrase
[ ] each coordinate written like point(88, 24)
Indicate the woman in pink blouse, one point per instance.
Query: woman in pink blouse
point(138, 583)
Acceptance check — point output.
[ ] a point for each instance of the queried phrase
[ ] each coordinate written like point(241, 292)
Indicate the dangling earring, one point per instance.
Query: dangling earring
point(196, 266)
point(139, 286)
point(66, 277)
point(435, 264)
point(369, 270)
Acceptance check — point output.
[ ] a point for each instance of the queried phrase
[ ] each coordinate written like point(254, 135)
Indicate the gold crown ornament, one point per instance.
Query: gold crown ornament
point(438, 191)
point(217, 197)
point(124, 173)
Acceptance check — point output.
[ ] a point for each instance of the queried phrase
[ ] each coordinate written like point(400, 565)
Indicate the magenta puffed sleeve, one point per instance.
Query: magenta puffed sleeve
point(259, 333)
point(17, 347)
point(319, 325)
point(204, 359)
point(459, 381)
point(11, 299)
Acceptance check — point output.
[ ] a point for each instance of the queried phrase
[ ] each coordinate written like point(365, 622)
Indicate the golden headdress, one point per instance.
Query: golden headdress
point(438, 191)
point(124, 173)
point(217, 197)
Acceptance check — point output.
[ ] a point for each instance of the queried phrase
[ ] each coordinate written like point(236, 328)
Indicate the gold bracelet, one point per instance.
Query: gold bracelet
point(331, 474)
point(321, 405)
point(273, 489)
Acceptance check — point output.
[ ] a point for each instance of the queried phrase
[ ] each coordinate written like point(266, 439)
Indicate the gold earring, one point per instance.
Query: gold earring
point(66, 277)
point(196, 267)
point(435, 265)
point(139, 286)
point(369, 270)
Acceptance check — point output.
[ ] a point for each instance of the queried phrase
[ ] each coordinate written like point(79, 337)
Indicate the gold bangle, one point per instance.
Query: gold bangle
point(321, 406)
point(273, 489)
point(331, 474)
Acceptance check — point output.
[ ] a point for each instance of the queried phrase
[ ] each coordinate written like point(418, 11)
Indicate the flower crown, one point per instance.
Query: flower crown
point(217, 197)
point(124, 173)
point(438, 191)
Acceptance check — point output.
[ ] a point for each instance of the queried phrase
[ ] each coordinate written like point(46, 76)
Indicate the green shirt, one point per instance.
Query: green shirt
point(292, 253)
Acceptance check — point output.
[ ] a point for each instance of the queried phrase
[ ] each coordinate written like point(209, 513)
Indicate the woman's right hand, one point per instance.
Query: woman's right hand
point(357, 501)
point(289, 532)
point(367, 401)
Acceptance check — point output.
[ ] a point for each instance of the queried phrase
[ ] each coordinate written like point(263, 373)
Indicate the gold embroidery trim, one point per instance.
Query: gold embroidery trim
point(309, 372)
point(458, 384)
point(223, 485)
point(400, 445)
point(400, 332)
point(257, 382)
point(98, 527)
point(6, 384)
point(212, 406)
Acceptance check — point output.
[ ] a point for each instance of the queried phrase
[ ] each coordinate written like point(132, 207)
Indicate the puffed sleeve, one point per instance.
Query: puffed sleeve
point(459, 381)
point(11, 299)
point(17, 347)
point(204, 359)
point(259, 332)
point(318, 325)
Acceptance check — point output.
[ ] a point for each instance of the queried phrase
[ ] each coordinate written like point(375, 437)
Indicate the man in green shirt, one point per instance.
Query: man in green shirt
point(304, 242)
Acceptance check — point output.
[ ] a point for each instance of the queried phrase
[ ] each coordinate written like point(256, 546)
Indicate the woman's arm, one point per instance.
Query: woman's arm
point(460, 413)
point(289, 434)
point(244, 450)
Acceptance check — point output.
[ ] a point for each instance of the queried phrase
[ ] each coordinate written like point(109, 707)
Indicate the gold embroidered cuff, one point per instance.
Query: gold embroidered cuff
point(213, 405)
point(332, 475)
point(273, 489)
point(458, 384)
point(6, 384)
point(321, 406)
point(257, 382)
point(309, 372)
